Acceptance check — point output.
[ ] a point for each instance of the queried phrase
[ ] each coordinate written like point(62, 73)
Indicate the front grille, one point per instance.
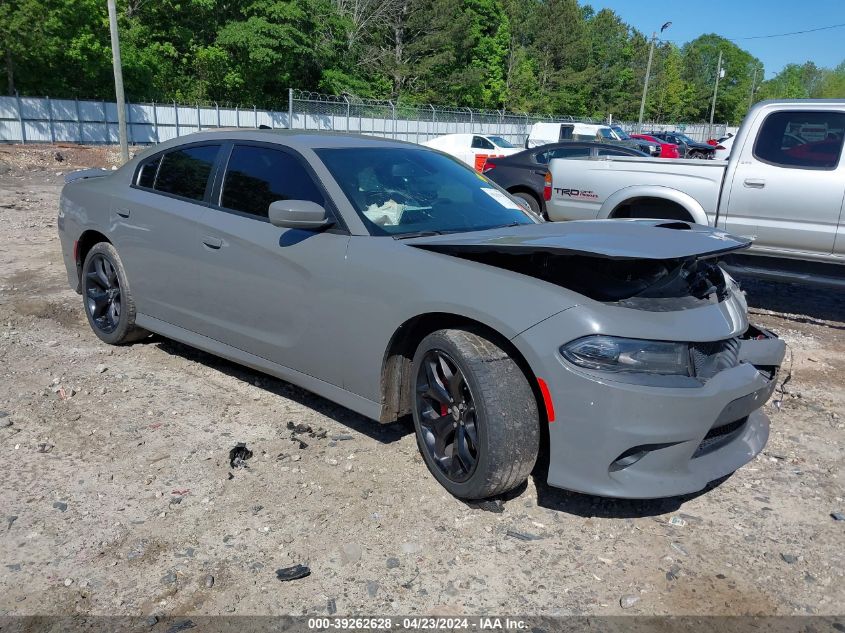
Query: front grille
point(719, 436)
point(708, 359)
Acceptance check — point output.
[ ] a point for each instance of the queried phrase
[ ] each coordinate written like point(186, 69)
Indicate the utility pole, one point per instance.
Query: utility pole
point(719, 73)
point(665, 26)
point(118, 82)
point(645, 87)
point(753, 81)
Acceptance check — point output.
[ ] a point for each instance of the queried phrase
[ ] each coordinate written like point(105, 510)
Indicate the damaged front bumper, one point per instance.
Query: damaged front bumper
point(619, 439)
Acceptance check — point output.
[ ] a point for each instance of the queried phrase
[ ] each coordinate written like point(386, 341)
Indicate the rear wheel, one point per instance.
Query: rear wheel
point(530, 200)
point(106, 296)
point(475, 415)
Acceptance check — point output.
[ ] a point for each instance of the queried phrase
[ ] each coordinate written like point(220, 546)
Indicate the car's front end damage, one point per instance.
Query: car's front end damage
point(654, 382)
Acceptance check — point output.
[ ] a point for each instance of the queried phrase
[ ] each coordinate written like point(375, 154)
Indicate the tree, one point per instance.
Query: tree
point(700, 59)
point(550, 56)
point(805, 81)
point(672, 96)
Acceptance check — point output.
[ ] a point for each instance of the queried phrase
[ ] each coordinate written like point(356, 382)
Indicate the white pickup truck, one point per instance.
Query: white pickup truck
point(783, 186)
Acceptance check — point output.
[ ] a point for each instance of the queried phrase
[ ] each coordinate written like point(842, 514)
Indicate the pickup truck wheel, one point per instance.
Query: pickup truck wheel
point(531, 201)
point(106, 297)
point(475, 415)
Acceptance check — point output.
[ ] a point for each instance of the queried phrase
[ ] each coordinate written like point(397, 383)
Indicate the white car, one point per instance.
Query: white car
point(723, 149)
point(473, 149)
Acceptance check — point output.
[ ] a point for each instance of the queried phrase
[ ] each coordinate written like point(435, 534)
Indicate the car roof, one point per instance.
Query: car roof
point(550, 146)
point(295, 139)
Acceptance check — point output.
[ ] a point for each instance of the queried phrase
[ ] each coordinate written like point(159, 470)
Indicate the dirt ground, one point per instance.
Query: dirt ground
point(117, 496)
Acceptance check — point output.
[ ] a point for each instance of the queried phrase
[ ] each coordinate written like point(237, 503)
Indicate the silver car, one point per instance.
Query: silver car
point(394, 280)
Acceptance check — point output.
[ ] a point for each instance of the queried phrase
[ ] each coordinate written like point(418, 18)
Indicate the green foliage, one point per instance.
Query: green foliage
point(805, 81)
point(552, 56)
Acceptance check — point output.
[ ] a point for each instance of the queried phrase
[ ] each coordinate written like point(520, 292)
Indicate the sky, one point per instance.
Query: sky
point(736, 19)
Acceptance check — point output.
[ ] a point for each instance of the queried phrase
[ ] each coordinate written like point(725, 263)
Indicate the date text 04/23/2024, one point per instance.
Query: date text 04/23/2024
point(419, 623)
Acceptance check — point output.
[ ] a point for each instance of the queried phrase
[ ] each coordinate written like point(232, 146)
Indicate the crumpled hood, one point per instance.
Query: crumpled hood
point(612, 239)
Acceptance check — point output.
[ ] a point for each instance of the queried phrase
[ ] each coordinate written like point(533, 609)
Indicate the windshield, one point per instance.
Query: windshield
point(499, 141)
point(622, 134)
point(397, 190)
point(686, 139)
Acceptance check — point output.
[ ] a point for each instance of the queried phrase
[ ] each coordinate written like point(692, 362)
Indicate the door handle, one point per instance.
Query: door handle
point(123, 212)
point(754, 183)
point(212, 242)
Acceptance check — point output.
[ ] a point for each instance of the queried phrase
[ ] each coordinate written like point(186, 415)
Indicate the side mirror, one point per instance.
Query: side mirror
point(298, 214)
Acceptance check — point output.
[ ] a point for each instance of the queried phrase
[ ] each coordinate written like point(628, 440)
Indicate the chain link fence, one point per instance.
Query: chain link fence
point(45, 120)
point(419, 123)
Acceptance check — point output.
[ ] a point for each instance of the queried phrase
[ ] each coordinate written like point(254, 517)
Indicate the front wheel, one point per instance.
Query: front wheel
point(475, 415)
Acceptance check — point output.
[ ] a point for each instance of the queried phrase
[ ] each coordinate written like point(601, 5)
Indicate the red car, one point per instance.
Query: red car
point(667, 150)
point(823, 153)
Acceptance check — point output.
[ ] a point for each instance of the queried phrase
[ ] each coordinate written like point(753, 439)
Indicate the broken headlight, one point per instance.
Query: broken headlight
point(615, 354)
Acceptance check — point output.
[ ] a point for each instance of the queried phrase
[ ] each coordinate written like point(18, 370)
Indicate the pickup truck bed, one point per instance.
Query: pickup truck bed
point(783, 187)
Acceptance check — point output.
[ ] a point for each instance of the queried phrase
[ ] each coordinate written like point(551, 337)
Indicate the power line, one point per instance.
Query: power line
point(762, 37)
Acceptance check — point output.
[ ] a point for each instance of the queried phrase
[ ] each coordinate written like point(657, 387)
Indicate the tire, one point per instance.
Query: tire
point(532, 202)
point(106, 297)
point(493, 404)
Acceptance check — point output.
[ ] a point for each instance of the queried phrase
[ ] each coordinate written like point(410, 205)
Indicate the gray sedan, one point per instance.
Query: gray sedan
point(395, 281)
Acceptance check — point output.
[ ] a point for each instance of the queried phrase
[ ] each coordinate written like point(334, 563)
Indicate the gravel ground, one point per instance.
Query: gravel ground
point(119, 497)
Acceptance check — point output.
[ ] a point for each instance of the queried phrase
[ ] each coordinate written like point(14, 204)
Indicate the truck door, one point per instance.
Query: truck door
point(787, 188)
point(839, 244)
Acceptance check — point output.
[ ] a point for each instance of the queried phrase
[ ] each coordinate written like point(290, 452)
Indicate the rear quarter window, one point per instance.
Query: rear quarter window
point(147, 173)
point(185, 172)
point(563, 152)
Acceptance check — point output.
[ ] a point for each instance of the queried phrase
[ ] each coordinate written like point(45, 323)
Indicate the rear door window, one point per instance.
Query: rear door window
point(806, 140)
point(257, 176)
point(185, 172)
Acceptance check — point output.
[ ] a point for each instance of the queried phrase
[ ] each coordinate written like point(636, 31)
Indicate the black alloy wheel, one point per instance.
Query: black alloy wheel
point(447, 416)
point(102, 293)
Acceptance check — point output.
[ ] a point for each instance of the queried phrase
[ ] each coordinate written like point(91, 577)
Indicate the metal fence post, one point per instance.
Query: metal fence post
point(78, 119)
point(393, 122)
point(347, 112)
point(20, 118)
point(237, 117)
point(290, 108)
point(106, 122)
point(217, 108)
point(199, 118)
point(155, 122)
point(255, 115)
point(128, 113)
point(176, 117)
point(433, 119)
point(50, 119)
